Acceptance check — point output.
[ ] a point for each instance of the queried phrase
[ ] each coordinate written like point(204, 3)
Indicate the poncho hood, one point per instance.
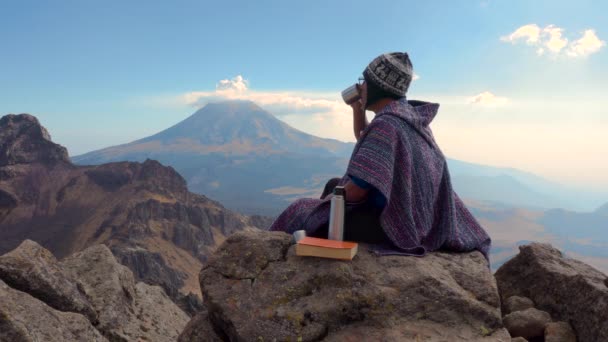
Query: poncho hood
point(415, 112)
point(418, 114)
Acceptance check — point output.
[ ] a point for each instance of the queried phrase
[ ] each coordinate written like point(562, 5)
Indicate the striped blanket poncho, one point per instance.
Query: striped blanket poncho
point(398, 155)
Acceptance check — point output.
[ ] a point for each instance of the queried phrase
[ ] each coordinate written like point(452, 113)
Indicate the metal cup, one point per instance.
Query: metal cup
point(351, 94)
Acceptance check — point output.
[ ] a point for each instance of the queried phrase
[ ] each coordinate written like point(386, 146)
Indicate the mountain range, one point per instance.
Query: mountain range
point(518, 188)
point(583, 236)
point(244, 157)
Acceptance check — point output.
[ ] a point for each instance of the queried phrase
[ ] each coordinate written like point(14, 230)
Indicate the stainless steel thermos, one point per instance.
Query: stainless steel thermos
point(336, 214)
point(351, 94)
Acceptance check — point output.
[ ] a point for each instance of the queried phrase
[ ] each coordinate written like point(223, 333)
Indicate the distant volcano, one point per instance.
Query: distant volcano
point(235, 127)
point(239, 154)
point(244, 124)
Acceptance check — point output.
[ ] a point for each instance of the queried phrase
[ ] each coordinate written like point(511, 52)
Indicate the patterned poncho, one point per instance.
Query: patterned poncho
point(398, 155)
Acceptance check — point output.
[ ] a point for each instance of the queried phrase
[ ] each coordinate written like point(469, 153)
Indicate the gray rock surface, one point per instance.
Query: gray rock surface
point(255, 287)
point(516, 303)
point(32, 269)
point(24, 318)
point(529, 323)
point(127, 311)
point(559, 332)
point(568, 289)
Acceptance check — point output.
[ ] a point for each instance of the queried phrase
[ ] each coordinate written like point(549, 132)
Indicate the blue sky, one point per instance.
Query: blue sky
point(104, 73)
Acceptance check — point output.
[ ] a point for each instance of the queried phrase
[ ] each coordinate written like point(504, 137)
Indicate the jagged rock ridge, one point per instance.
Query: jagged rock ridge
point(142, 211)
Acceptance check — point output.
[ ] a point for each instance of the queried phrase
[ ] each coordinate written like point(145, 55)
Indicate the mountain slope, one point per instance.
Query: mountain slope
point(518, 188)
point(232, 127)
point(502, 188)
point(142, 211)
point(602, 210)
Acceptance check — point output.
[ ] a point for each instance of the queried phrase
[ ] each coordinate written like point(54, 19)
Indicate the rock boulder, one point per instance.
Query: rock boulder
point(529, 323)
point(568, 289)
point(516, 303)
point(256, 288)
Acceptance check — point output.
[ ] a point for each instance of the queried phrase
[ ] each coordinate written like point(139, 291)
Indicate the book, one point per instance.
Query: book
point(324, 248)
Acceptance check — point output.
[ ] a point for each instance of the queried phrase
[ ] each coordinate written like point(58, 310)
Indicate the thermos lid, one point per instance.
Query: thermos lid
point(299, 235)
point(339, 191)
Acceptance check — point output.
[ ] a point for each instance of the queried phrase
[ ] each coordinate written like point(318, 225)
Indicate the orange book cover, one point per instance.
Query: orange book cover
point(312, 241)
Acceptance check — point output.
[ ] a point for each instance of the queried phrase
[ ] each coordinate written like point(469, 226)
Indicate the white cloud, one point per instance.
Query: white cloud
point(487, 99)
point(551, 39)
point(589, 43)
point(237, 84)
point(530, 33)
point(281, 102)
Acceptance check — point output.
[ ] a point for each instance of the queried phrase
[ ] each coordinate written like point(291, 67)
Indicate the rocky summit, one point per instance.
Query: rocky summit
point(142, 211)
point(87, 297)
point(23, 140)
point(256, 288)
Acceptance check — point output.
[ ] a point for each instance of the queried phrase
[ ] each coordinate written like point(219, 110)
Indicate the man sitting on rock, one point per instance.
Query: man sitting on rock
point(398, 190)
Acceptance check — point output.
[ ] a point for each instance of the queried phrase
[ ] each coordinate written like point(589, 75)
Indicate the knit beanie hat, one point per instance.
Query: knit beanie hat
point(390, 72)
